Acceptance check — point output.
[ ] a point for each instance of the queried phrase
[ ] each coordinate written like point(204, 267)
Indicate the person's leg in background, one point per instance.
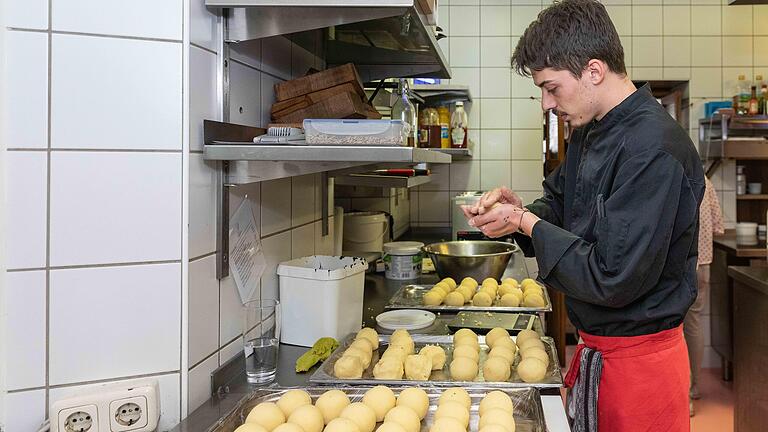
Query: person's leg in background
point(694, 331)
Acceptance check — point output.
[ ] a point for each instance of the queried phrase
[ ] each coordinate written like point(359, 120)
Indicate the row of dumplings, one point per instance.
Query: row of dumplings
point(509, 293)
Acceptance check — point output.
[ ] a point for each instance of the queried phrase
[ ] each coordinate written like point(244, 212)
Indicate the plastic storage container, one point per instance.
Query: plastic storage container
point(402, 260)
point(365, 231)
point(355, 132)
point(321, 296)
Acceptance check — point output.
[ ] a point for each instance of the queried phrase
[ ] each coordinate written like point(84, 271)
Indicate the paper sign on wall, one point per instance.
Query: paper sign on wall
point(246, 256)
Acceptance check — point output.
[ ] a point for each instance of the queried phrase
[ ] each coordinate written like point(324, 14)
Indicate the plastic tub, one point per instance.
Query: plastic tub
point(355, 132)
point(321, 296)
point(365, 231)
point(402, 260)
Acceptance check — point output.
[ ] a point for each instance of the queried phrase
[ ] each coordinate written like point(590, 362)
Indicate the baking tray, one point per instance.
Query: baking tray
point(553, 379)
point(411, 297)
point(483, 322)
point(529, 415)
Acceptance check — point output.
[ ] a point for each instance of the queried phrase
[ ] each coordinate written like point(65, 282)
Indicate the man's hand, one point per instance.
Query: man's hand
point(489, 200)
point(504, 219)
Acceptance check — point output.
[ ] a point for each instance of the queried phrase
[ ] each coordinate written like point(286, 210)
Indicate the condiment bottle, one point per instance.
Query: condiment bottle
point(459, 125)
point(445, 125)
point(434, 128)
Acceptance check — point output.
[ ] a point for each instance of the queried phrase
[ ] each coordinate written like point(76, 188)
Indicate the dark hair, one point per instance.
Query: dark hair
point(566, 36)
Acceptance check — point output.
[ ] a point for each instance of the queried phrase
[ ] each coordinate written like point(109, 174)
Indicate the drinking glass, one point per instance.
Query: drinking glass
point(261, 334)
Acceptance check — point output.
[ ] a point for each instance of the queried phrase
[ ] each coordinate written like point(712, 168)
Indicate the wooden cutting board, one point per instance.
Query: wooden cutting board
point(340, 105)
point(283, 108)
point(320, 81)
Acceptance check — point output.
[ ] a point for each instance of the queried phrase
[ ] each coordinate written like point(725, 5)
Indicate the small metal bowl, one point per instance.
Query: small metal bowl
point(478, 259)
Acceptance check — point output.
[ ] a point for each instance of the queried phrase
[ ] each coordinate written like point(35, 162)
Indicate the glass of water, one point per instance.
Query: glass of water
point(261, 333)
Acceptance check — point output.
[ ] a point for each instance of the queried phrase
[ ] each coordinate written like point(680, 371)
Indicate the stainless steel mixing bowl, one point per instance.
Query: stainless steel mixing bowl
point(478, 259)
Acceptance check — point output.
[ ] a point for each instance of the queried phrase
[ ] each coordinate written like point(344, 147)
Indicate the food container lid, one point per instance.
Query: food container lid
point(403, 248)
point(407, 319)
point(322, 267)
point(352, 127)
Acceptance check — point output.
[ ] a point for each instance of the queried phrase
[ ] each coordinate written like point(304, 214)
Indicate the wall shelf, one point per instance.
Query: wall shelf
point(439, 94)
point(234, 151)
point(760, 197)
point(373, 180)
point(457, 153)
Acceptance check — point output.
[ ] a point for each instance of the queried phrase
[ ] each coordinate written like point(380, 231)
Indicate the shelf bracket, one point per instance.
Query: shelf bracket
point(222, 195)
point(324, 204)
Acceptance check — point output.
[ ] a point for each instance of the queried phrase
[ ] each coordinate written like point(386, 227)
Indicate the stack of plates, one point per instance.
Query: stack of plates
point(405, 319)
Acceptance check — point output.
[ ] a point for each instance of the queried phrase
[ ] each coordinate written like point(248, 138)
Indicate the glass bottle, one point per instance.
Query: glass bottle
point(404, 110)
point(445, 126)
point(743, 92)
point(459, 125)
point(753, 105)
point(434, 128)
point(424, 125)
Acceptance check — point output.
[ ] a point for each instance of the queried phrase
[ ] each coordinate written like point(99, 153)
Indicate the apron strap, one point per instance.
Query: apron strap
point(582, 399)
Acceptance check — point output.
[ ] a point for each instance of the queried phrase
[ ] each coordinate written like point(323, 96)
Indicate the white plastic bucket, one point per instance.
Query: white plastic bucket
point(402, 260)
point(365, 231)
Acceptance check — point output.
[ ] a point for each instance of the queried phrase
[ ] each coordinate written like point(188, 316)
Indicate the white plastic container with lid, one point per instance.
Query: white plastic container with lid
point(402, 260)
point(321, 296)
point(356, 132)
point(365, 231)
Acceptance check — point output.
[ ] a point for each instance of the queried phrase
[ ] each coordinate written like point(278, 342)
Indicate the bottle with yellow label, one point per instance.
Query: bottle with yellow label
point(445, 125)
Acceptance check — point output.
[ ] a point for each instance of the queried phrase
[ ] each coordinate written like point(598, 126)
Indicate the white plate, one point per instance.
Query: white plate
point(406, 319)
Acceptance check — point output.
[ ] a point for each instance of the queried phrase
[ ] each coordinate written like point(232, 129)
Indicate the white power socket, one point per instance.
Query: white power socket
point(130, 406)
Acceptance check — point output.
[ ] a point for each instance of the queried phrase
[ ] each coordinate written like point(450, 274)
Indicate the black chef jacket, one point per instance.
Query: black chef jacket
point(619, 228)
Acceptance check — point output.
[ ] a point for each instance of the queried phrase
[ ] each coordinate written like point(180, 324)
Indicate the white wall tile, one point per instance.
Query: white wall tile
point(303, 199)
point(26, 101)
point(324, 243)
point(496, 144)
point(468, 20)
point(495, 82)
point(133, 306)
point(495, 114)
point(730, 79)
point(116, 17)
point(495, 51)
point(26, 197)
point(25, 329)
point(444, 17)
point(231, 310)
point(705, 51)
point(495, 174)
point(24, 411)
point(526, 114)
point(203, 96)
point(276, 250)
point(647, 73)
point(522, 17)
point(202, 206)
point(115, 207)
point(522, 86)
point(249, 53)
point(170, 395)
point(26, 14)
point(495, 21)
point(434, 206)
point(646, 51)
point(276, 56)
point(245, 95)
point(203, 309)
point(705, 20)
point(132, 79)
point(467, 76)
point(626, 45)
point(736, 20)
point(737, 51)
point(677, 73)
point(677, 20)
point(203, 26)
point(200, 382)
point(705, 82)
point(677, 51)
point(527, 175)
point(527, 144)
point(440, 179)
point(465, 51)
point(303, 241)
point(267, 97)
point(621, 16)
point(761, 51)
point(760, 19)
point(275, 205)
point(414, 203)
point(646, 20)
point(230, 350)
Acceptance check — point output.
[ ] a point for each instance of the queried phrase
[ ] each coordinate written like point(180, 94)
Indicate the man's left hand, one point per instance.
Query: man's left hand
point(503, 220)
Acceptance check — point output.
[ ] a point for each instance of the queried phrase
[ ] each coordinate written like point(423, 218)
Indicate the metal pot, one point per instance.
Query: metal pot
point(478, 259)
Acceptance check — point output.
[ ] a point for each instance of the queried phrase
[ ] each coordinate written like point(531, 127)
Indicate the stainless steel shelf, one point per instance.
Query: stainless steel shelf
point(315, 153)
point(442, 93)
point(373, 180)
point(457, 153)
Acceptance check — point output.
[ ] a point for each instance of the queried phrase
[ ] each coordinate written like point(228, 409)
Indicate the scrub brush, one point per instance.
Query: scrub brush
point(281, 135)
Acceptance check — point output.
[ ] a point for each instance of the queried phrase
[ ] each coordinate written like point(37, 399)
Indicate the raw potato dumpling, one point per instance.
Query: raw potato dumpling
point(407, 345)
point(498, 416)
point(509, 300)
point(496, 369)
point(447, 424)
point(491, 291)
point(444, 286)
point(363, 355)
point(455, 298)
point(530, 342)
point(493, 428)
point(390, 427)
point(504, 352)
point(496, 399)
point(442, 289)
point(464, 334)
point(494, 334)
point(533, 288)
point(510, 281)
point(527, 281)
point(250, 427)
point(415, 399)
point(331, 403)
point(482, 299)
point(463, 369)
point(293, 399)
point(466, 291)
point(526, 334)
point(308, 417)
point(405, 417)
point(266, 414)
point(535, 352)
point(490, 282)
point(456, 394)
point(371, 335)
point(453, 409)
point(348, 367)
point(389, 369)
point(432, 299)
point(470, 282)
point(395, 351)
point(505, 342)
point(534, 300)
point(417, 367)
point(363, 344)
point(380, 399)
point(467, 351)
point(362, 415)
point(532, 370)
point(436, 354)
point(288, 427)
point(400, 334)
point(468, 342)
point(341, 425)
point(450, 281)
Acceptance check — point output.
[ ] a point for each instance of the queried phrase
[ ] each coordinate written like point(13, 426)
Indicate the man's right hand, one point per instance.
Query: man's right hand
point(502, 195)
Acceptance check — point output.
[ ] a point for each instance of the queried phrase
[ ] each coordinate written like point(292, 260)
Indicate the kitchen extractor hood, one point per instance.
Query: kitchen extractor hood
point(384, 39)
point(746, 2)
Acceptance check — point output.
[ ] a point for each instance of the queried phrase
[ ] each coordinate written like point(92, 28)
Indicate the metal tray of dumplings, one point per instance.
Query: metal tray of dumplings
point(528, 412)
point(412, 297)
point(552, 380)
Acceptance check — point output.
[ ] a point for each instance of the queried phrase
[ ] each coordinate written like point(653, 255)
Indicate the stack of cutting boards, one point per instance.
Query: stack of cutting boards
point(333, 93)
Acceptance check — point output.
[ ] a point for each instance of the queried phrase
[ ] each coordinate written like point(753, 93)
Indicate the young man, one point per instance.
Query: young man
point(616, 229)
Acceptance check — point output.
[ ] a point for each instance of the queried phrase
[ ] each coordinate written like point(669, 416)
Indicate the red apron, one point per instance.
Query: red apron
point(644, 382)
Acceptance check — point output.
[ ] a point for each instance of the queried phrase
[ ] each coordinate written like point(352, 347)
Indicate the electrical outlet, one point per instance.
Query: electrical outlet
point(121, 407)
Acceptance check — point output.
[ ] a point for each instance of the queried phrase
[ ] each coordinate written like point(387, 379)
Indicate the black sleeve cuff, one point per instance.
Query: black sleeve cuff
point(550, 242)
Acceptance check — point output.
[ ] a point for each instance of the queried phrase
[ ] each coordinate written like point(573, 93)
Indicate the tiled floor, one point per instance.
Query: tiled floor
point(714, 411)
